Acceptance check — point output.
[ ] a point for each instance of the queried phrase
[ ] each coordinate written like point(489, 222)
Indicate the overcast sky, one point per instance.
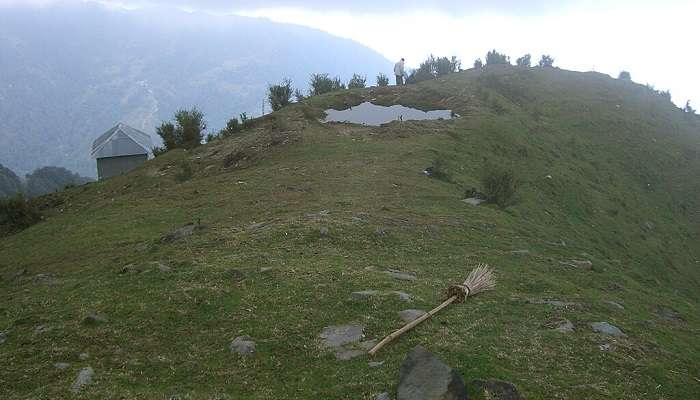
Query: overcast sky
point(657, 41)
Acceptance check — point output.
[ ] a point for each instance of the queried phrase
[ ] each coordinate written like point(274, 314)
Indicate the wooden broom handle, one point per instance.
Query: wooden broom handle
point(411, 325)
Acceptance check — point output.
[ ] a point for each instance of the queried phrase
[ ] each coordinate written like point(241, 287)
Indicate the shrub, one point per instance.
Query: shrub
point(688, 109)
point(478, 64)
point(322, 83)
point(382, 80)
point(524, 61)
point(438, 171)
point(357, 82)
point(546, 61)
point(157, 151)
point(246, 122)
point(495, 58)
point(298, 95)
point(280, 95)
point(233, 126)
point(624, 76)
point(187, 132)
point(337, 84)
point(17, 213)
point(500, 186)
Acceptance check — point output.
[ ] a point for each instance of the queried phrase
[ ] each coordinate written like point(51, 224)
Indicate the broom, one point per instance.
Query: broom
point(479, 280)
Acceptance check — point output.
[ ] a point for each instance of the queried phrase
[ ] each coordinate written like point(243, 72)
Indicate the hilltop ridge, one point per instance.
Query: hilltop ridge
point(293, 218)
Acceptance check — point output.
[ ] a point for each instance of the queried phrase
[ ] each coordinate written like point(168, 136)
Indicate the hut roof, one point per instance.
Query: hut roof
point(122, 140)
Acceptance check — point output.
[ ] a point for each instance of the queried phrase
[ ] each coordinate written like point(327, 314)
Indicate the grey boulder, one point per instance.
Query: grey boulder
point(243, 345)
point(607, 329)
point(424, 376)
point(84, 378)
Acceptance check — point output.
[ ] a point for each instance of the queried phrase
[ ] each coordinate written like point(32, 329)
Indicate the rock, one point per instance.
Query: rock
point(565, 327)
point(94, 319)
point(607, 347)
point(402, 276)
point(41, 329)
point(243, 345)
point(179, 234)
point(336, 336)
point(614, 304)
point(84, 378)
point(555, 303)
point(382, 396)
point(424, 376)
point(411, 315)
point(381, 232)
point(3, 337)
point(324, 232)
point(346, 355)
point(667, 313)
point(495, 389)
point(474, 201)
point(607, 329)
point(375, 364)
point(234, 274)
point(264, 270)
point(164, 268)
point(578, 264)
point(364, 294)
point(83, 356)
point(404, 296)
point(42, 278)
point(61, 366)
point(520, 252)
point(257, 226)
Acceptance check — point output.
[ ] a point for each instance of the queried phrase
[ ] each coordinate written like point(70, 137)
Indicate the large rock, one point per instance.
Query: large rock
point(402, 276)
point(411, 315)
point(607, 329)
point(243, 345)
point(339, 335)
point(84, 378)
point(179, 234)
point(425, 377)
point(496, 390)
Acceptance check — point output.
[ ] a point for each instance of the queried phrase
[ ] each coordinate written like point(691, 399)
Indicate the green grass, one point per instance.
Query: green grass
point(613, 170)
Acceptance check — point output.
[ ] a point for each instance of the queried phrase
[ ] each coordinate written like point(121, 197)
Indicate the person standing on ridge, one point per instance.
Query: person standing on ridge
point(399, 72)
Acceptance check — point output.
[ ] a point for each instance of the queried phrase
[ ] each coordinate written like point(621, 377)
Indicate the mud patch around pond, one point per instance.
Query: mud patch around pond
point(375, 115)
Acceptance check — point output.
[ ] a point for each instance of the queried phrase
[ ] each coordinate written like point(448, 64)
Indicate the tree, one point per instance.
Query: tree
point(382, 80)
point(624, 76)
point(298, 95)
point(280, 95)
point(322, 83)
point(478, 64)
point(546, 61)
point(524, 61)
point(688, 109)
point(495, 58)
point(51, 179)
point(187, 132)
point(357, 82)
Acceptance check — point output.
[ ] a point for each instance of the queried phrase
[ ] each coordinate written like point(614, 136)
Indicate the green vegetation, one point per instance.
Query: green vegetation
point(186, 133)
point(17, 213)
point(322, 84)
point(524, 61)
point(616, 186)
point(478, 64)
point(357, 82)
point(382, 80)
point(546, 61)
point(625, 76)
point(51, 179)
point(280, 95)
point(434, 67)
point(500, 185)
point(495, 58)
point(10, 183)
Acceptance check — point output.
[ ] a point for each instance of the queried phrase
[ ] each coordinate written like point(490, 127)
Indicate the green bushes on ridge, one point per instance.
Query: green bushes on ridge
point(185, 133)
point(17, 213)
point(500, 185)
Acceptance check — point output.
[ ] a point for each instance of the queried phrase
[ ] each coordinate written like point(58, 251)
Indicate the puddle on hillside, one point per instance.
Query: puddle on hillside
point(374, 115)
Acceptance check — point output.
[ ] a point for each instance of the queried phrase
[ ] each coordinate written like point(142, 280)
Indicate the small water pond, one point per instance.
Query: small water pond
point(374, 115)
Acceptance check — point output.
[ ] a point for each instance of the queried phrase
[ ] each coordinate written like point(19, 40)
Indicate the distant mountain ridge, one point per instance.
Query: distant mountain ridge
point(68, 73)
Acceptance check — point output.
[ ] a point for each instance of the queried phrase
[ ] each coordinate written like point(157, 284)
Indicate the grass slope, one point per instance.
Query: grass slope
point(624, 194)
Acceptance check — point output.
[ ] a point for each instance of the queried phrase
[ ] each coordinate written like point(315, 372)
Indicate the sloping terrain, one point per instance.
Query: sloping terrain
point(294, 216)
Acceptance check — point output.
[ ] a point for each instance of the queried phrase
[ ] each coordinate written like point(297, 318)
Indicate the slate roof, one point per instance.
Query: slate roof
point(122, 140)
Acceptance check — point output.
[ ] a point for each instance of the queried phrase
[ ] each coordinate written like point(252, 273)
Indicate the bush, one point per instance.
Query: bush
point(322, 84)
point(546, 61)
point(478, 64)
point(624, 76)
point(382, 80)
point(17, 213)
point(495, 58)
point(299, 96)
point(438, 170)
point(688, 109)
point(500, 186)
point(187, 132)
point(357, 82)
point(524, 61)
point(280, 95)
point(433, 68)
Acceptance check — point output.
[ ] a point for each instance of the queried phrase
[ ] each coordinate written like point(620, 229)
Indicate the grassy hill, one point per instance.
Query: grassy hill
point(293, 216)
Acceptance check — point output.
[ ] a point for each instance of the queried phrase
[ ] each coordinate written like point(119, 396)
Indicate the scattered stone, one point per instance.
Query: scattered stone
point(143, 247)
point(424, 376)
point(403, 296)
point(411, 315)
point(41, 329)
point(607, 347)
point(520, 252)
point(578, 264)
point(42, 278)
point(324, 232)
point(179, 234)
point(243, 345)
point(649, 225)
point(61, 366)
point(565, 326)
point(381, 232)
point(129, 268)
point(402, 276)
point(84, 378)
point(495, 389)
point(164, 268)
point(94, 319)
point(83, 356)
point(257, 226)
point(22, 272)
point(364, 294)
point(474, 201)
point(555, 303)
point(264, 270)
point(3, 337)
point(338, 335)
point(607, 329)
point(234, 274)
point(667, 313)
point(614, 304)
point(375, 364)
point(382, 396)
